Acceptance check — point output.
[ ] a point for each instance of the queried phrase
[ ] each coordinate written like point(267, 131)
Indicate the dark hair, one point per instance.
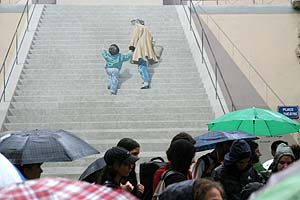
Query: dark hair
point(108, 173)
point(128, 144)
point(276, 143)
point(183, 136)
point(181, 153)
point(22, 168)
point(114, 49)
point(253, 145)
point(296, 150)
point(202, 186)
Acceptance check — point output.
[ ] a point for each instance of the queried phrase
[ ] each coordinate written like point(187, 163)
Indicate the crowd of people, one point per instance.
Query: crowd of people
point(231, 171)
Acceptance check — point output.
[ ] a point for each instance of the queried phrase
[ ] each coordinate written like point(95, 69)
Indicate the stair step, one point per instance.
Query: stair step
point(106, 125)
point(87, 98)
point(99, 91)
point(113, 110)
point(36, 118)
point(100, 104)
point(137, 134)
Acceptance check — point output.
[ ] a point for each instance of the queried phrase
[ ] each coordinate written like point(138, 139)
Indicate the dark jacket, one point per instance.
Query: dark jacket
point(133, 180)
point(178, 191)
point(230, 177)
point(233, 181)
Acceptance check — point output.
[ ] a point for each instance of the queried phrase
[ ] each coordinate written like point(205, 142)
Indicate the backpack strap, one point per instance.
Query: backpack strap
point(206, 163)
point(169, 173)
point(161, 185)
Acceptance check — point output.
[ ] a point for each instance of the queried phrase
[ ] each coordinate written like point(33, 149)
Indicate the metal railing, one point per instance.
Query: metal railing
point(241, 2)
point(12, 55)
point(217, 72)
point(268, 94)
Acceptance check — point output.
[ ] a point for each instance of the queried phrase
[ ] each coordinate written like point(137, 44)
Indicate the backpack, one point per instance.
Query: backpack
point(147, 170)
point(161, 185)
point(208, 166)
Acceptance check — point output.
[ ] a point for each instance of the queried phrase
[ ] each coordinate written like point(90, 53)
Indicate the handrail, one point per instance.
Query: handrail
point(17, 49)
point(253, 2)
point(217, 69)
point(243, 56)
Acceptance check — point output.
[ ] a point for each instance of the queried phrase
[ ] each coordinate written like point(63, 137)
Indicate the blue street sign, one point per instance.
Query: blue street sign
point(289, 111)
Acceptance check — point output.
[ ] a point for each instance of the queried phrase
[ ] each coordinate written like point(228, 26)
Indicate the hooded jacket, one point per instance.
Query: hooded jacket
point(230, 177)
point(282, 150)
point(178, 191)
point(115, 61)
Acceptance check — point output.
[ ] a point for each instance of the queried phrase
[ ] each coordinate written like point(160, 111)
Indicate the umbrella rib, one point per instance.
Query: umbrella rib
point(239, 124)
point(268, 127)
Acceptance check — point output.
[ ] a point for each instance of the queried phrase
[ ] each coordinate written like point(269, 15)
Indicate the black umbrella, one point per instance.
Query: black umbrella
point(93, 171)
point(38, 146)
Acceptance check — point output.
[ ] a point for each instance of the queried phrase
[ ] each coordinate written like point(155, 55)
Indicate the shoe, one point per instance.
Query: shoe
point(113, 93)
point(145, 87)
point(108, 87)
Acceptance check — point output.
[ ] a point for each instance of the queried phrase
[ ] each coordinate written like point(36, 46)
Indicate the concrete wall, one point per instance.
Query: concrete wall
point(269, 42)
point(8, 24)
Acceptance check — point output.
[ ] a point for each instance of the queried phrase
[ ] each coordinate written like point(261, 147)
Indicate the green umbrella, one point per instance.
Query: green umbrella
point(287, 189)
point(257, 121)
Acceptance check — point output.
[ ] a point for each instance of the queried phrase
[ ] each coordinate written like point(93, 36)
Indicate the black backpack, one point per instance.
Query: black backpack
point(147, 170)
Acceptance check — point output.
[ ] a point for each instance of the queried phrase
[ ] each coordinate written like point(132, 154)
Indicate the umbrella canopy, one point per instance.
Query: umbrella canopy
point(92, 171)
point(287, 189)
point(63, 189)
point(8, 172)
point(209, 140)
point(282, 185)
point(257, 121)
point(38, 146)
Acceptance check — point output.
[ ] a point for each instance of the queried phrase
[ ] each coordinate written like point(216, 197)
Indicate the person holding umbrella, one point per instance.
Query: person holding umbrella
point(30, 171)
point(119, 163)
point(208, 162)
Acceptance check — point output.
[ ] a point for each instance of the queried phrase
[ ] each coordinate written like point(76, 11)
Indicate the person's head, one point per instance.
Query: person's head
point(113, 49)
point(137, 21)
point(184, 136)
point(131, 145)
point(119, 163)
point(255, 151)
point(204, 189)
point(275, 144)
point(31, 171)
point(283, 157)
point(249, 189)
point(221, 149)
point(296, 150)
point(239, 155)
point(181, 153)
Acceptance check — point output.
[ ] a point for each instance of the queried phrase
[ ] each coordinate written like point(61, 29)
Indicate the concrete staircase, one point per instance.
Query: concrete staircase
point(63, 83)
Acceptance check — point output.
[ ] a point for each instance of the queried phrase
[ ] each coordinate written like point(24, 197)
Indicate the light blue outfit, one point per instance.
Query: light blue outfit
point(143, 70)
point(113, 66)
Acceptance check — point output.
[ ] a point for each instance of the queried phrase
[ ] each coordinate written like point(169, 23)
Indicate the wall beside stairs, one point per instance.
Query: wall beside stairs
point(63, 83)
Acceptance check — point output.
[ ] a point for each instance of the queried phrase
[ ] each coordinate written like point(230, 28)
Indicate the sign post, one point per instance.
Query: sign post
point(290, 111)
